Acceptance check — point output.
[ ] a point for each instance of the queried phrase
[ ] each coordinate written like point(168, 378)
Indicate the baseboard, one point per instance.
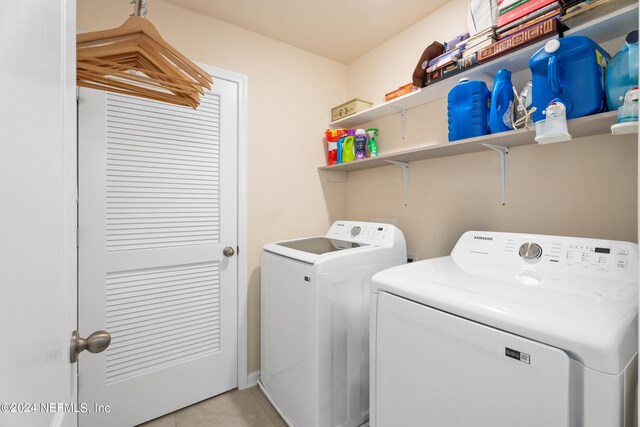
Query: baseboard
point(252, 378)
point(276, 407)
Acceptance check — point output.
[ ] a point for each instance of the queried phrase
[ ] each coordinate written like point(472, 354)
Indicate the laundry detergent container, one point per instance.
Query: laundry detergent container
point(622, 73)
point(569, 70)
point(468, 109)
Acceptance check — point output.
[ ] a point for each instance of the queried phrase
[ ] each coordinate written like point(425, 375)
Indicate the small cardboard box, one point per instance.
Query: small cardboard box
point(402, 90)
point(349, 108)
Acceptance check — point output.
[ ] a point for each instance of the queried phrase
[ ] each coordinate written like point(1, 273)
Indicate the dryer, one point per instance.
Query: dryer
point(315, 321)
point(510, 330)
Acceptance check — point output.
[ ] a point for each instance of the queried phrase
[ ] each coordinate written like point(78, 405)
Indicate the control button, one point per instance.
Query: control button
point(621, 264)
point(355, 231)
point(530, 252)
point(623, 252)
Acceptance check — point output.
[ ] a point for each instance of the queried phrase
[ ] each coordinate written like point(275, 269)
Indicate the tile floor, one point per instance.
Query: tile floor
point(235, 408)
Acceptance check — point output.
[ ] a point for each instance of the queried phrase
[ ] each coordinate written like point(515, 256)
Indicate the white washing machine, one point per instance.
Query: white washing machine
point(510, 330)
point(315, 321)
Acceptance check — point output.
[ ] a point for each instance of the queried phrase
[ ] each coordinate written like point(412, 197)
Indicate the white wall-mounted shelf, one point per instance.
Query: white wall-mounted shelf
point(610, 26)
point(597, 124)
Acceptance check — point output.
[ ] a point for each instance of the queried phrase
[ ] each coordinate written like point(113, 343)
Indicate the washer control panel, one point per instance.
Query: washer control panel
point(570, 254)
point(602, 258)
point(370, 233)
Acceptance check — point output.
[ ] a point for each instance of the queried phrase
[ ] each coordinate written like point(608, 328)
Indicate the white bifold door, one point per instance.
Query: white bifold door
point(157, 209)
point(433, 369)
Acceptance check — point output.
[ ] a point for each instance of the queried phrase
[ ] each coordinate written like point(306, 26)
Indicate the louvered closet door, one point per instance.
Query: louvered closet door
point(157, 206)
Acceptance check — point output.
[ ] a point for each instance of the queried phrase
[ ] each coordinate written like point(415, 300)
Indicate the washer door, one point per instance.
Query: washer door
point(436, 369)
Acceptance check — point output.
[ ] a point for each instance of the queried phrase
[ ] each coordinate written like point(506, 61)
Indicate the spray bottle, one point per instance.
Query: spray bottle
point(371, 145)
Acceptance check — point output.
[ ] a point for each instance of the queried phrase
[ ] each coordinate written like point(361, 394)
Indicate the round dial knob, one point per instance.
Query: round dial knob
point(530, 251)
point(355, 231)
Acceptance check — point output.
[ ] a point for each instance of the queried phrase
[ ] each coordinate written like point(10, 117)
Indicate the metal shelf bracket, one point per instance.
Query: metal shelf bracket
point(403, 117)
point(405, 176)
point(504, 163)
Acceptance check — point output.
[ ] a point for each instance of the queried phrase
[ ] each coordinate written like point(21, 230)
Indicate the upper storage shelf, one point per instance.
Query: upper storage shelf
point(615, 24)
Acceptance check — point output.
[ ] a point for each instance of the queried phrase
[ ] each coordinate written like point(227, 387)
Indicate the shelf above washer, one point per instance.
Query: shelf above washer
point(596, 124)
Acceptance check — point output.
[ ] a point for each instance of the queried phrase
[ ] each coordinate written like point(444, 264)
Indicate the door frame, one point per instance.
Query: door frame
point(241, 81)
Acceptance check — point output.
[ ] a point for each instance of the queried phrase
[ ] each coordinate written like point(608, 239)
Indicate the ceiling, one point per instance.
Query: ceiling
point(341, 30)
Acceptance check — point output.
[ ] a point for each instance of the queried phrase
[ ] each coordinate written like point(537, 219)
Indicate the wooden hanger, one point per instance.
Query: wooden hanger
point(99, 69)
point(136, 60)
point(140, 53)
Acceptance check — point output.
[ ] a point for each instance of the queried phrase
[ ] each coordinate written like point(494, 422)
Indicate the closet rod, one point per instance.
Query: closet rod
point(139, 8)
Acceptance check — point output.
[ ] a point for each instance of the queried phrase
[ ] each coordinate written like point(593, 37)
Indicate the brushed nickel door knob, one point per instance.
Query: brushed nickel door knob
point(228, 251)
point(97, 342)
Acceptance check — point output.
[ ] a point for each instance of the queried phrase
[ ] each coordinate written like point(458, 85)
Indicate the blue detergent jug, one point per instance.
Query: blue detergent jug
point(468, 109)
point(501, 112)
point(569, 70)
point(622, 73)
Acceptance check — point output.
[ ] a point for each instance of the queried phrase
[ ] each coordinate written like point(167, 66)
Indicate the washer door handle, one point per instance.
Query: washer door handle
point(228, 251)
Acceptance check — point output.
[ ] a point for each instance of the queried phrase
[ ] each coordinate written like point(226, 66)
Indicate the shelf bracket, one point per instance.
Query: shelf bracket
point(504, 163)
point(403, 117)
point(405, 176)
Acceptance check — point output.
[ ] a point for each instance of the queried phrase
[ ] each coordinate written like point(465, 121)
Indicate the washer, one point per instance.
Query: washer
point(510, 330)
point(315, 321)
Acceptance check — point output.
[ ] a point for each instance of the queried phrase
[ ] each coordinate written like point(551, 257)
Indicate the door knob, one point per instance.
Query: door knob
point(228, 251)
point(94, 343)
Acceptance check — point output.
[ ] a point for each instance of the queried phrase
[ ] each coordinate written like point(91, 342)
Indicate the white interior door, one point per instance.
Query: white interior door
point(38, 215)
point(158, 205)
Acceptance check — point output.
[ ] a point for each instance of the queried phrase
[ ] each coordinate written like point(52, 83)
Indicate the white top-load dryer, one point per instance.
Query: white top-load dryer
point(315, 321)
point(510, 330)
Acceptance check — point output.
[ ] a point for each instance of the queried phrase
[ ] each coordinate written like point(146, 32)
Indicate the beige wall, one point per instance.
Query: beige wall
point(391, 65)
point(290, 95)
point(586, 187)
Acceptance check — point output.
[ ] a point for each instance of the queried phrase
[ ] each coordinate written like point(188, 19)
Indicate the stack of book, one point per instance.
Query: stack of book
point(553, 10)
point(522, 22)
point(456, 42)
point(457, 57)
point(479, 41)
point(444, 59)
point(451, 69)
point(452, 52)
point(512, 10)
